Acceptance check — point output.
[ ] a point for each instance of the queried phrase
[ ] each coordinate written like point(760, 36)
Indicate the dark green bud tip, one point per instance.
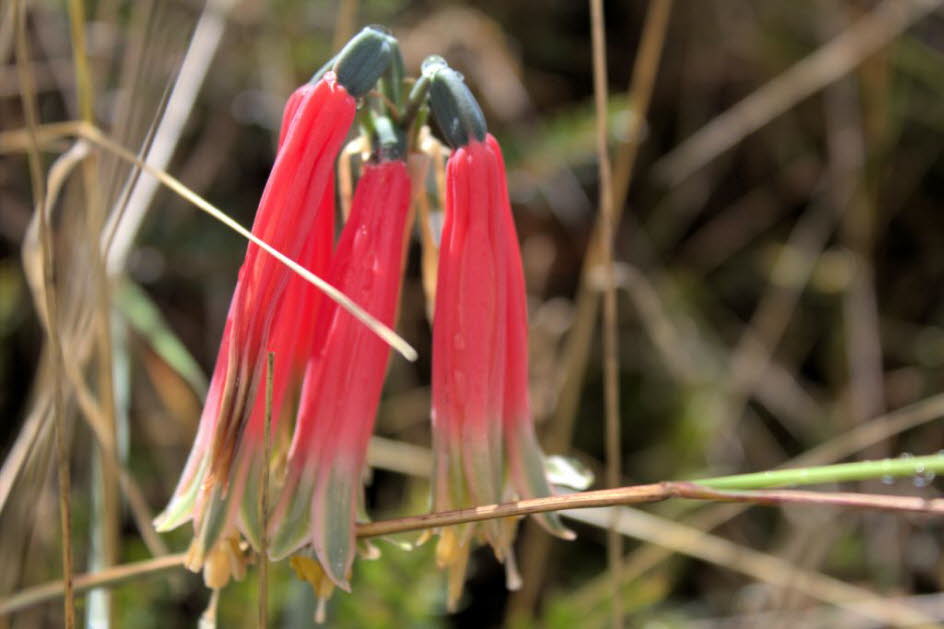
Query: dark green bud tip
point(363, 59)
point(455, 108)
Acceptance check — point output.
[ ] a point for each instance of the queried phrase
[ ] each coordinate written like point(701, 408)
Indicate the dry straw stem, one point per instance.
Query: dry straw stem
point(97, 421)
point(92, 412)
point(825, 65)
point(28, 97)
point(859, 438)
point(579, 339)
point(693, 542)
point(655, 492)
point(344, 23)
point(706, 489)
point(206, 38)
point(97, 136)
point(106, 527)
point(614, 541)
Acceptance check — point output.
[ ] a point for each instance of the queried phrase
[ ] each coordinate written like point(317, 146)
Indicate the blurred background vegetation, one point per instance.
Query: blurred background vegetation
point(780, 285)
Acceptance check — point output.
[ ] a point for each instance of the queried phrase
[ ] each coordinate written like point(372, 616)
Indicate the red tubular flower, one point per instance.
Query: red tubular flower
point(482, 426)
point(296, 216)
point(343, 381)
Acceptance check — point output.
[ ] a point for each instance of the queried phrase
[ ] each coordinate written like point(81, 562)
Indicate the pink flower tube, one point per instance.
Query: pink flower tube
point(343, 382)
point(271, 310)
point(484, 443)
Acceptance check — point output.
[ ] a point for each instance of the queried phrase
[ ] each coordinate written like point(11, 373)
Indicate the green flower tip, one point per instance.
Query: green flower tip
point(364, 59)
point(457, 112)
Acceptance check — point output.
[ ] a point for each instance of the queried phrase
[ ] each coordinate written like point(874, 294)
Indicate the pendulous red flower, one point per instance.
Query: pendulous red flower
point(343, 381)
point(268, 308)
point(483, 435)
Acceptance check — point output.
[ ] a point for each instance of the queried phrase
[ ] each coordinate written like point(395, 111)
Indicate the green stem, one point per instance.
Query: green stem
point(391, 83)
point(391, 143)
point(919, 466)
point(416, 100)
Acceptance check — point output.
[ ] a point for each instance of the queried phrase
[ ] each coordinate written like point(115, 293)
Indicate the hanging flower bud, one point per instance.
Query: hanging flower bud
point(482, 428)
point(343, 382)
point(295, 216)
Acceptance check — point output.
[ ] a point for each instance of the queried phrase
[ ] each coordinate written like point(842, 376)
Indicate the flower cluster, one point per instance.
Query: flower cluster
point(329, 368)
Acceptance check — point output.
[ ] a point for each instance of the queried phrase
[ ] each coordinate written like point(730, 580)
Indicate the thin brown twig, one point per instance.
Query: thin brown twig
point(578, 342)
point(641, 494)
point(614, 541)
point(19, 140)
point(28, 97)
point(111, 577)
point(637, 494)
point(645, 70)
point(878, 429)
point(687, 540)
point(344, 23)
point(95, 135)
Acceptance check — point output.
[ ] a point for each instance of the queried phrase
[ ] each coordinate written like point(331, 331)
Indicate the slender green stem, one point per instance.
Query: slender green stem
point(920, 467)
point(416, 100)
point(714, 489)
point(391, 83)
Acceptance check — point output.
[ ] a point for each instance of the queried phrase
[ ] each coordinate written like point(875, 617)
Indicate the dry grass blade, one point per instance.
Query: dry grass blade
point(827, 64)
point(32, 248)
point(83, 583)
point(106, 524)
point(835, 449)
point(614, 541)
point(98, 423)
point(575, 354)
point(123, 225)
point(93, 134)
point(693, 542)
point(46, 135)
point(28, 97)
point(91, 410)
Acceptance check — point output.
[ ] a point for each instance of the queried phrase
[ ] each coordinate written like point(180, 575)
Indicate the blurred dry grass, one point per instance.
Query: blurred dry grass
point(779, 262)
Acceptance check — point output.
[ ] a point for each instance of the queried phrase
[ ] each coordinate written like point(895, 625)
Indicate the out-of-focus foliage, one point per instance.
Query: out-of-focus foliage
point(778, 297)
